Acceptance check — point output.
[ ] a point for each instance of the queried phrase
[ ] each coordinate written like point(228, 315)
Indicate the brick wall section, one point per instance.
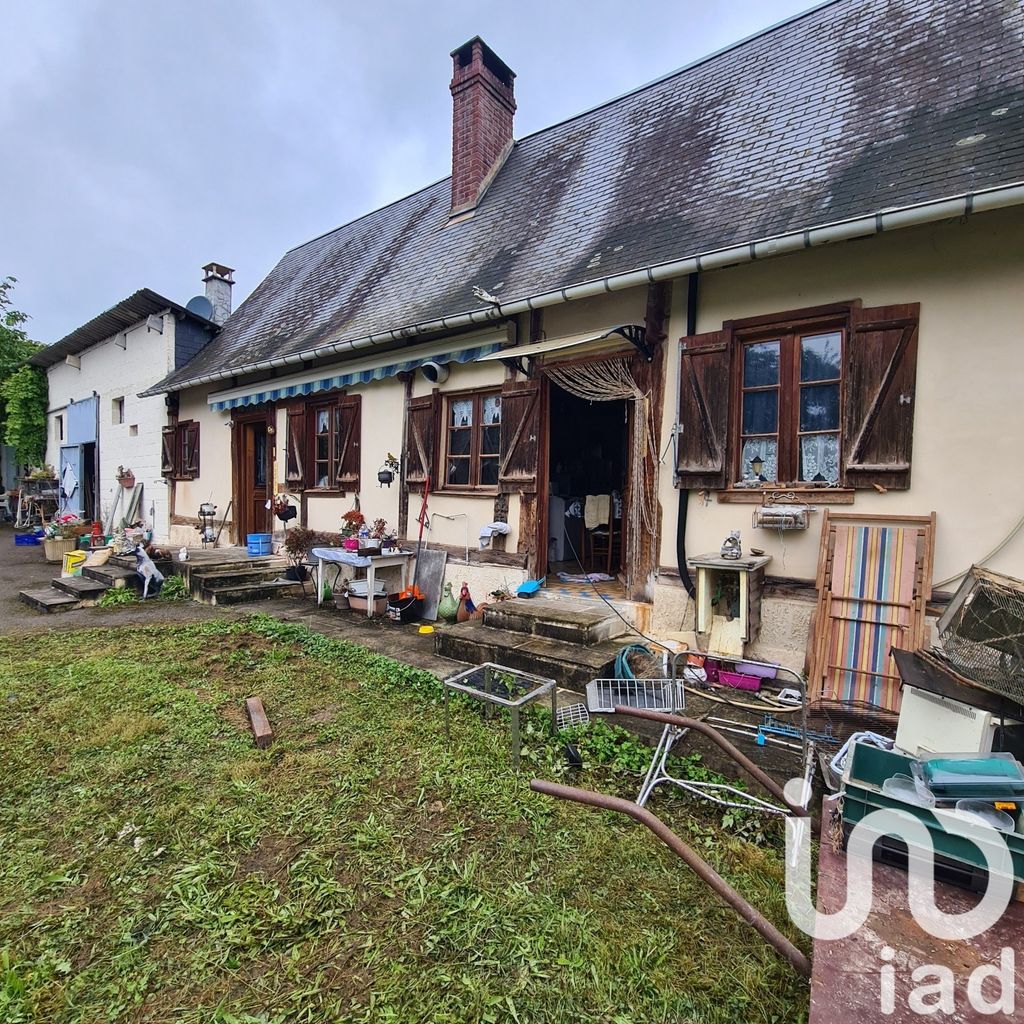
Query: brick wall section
point(483, 106)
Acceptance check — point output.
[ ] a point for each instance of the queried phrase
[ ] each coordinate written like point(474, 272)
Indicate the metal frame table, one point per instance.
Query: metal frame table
point(371, 563)
point(504, 687)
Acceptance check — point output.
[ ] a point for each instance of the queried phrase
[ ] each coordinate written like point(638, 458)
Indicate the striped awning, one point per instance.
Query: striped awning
point(358, 372)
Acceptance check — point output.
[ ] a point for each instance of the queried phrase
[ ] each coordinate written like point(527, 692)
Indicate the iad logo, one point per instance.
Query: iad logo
point(935, 984)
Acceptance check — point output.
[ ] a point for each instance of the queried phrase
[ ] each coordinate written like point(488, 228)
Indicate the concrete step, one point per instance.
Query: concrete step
point(87, 591)
point(112, 576)
point(570, 665)
point(570, 621)
point(203, 569)
point(49, 601)
point(245, 592)
point(227, 575)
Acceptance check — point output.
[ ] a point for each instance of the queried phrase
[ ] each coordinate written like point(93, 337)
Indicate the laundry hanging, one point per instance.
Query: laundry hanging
point(609, 380)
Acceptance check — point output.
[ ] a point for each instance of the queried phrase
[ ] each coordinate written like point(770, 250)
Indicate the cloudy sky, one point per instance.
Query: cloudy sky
point(144, 139)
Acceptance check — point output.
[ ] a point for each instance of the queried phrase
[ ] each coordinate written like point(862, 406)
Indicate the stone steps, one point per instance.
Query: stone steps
point(113, 576)
point(242, 593)
point(86, 591)
point(49, 601)
point(560, 640)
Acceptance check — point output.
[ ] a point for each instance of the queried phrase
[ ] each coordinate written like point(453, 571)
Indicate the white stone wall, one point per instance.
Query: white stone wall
point(114, 372)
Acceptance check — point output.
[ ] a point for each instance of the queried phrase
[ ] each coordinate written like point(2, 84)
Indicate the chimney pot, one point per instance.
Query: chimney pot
point(483, 106)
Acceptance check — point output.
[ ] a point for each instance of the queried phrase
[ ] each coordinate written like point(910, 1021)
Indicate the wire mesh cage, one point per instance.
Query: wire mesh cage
point(981, 633)
point(570, 715)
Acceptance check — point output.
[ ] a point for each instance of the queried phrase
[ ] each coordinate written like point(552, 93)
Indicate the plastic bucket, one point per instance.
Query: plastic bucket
point(258, 544)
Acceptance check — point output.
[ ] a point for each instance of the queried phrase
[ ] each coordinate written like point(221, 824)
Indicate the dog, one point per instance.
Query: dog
point(148, 572)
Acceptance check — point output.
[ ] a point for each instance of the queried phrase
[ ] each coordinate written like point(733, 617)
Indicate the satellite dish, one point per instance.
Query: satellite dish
point(200, 305)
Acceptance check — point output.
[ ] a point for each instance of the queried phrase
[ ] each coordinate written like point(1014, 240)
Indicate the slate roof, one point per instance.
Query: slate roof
point(851, 108)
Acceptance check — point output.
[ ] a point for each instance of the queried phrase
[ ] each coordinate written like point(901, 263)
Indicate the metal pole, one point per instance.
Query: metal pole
point(697, 864)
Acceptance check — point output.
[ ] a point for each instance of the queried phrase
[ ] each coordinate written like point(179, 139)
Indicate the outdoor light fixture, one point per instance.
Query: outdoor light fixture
point(756, 465)
point(386, 473)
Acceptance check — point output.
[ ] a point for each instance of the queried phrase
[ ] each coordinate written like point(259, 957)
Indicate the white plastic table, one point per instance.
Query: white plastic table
point(371, 563)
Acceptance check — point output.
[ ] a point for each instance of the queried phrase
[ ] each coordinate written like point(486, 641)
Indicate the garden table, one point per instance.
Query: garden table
point(371, 563)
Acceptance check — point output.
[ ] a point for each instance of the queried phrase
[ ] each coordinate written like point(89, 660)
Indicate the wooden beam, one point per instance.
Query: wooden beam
point(261, 730)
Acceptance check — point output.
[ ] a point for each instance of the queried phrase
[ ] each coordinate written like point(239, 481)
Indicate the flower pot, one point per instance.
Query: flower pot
point(350, 543)
point(55, 548)
point(127, 481)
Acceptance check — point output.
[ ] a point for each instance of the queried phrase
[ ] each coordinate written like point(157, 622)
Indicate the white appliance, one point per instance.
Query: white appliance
point(930, 724)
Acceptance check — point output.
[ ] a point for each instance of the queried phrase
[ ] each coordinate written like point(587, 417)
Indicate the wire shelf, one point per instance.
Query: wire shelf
point(648, 694)
point(572, 715)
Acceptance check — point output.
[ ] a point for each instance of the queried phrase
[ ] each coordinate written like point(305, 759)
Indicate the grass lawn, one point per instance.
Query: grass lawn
point(156, 866)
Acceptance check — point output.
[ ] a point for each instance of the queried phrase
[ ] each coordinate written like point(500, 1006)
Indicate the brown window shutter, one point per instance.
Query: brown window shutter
point(421, 436)
point(520, 436)
point(349, 446)
point(879, 372)
point(705, 384)
point(192, 469)
point(295, 467)
point(167, 438)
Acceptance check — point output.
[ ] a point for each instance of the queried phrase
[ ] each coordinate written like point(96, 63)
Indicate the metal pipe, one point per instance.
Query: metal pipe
point(694, 861)
point(717, 738)
point(778, 245)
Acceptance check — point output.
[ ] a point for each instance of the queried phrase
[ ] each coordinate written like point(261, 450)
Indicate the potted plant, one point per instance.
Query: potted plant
point(61, 536)
point(297, 545)
point(125, 477)
point(352, 522)
point(283, 508)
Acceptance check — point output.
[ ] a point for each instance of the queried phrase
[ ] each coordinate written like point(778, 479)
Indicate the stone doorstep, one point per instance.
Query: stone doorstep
point(570, 665)
point(225, 577)
point(87, 591)
point(556, 620)
point(200, 570)
point(250, 592)
point(48, 600)
point(111, 575)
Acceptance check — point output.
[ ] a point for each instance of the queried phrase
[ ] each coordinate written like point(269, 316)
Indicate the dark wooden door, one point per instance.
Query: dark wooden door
point(255, 479)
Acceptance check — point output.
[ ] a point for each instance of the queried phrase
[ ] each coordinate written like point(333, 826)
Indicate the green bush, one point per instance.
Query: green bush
point(116, 597)
point(175, 589)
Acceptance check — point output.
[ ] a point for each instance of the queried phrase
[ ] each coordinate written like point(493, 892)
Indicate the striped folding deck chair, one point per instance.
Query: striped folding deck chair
point(874, 580)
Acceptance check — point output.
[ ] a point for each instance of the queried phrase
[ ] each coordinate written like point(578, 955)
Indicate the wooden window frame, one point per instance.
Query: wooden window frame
point(186, 468)
point(789, 334)
point(476, 434)
point(341, 433)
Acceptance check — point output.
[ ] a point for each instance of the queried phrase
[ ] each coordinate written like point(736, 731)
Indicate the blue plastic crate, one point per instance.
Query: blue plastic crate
point(27, 540)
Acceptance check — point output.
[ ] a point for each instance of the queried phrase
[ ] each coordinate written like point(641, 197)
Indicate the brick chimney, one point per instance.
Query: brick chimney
point(219, 281)
point(483, 105)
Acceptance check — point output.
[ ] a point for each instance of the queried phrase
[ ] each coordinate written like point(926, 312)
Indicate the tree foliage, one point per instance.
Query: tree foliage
point(23, 391)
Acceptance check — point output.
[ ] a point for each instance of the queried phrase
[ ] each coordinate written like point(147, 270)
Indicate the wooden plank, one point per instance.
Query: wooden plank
point(261, 730)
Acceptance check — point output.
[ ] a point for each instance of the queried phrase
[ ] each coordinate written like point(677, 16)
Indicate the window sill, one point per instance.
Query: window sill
point(807, 495)
point(468, 492)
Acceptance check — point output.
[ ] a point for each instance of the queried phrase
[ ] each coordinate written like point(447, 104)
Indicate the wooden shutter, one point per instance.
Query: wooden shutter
point(702, 444)
point(520, 436)
point(192, 469)
point(167, 437)
point(349, 446)
point(879, 372)
point(421, 437)
point(295, 464)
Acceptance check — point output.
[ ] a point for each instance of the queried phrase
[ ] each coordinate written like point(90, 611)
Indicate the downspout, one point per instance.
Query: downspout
point(684, 495)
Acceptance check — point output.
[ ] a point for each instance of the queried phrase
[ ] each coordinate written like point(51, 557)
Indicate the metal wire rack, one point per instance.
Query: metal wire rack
point(604, 695)
point(571, 715)
point(981, 633)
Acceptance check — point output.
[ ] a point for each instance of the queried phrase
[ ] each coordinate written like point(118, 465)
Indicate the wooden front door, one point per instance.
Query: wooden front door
point(253, 479)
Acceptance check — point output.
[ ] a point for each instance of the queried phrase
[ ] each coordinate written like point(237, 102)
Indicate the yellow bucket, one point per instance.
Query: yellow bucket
point(73, 563)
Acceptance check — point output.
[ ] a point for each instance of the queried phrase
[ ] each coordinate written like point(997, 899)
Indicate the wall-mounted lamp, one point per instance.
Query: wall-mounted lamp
point(271, 430)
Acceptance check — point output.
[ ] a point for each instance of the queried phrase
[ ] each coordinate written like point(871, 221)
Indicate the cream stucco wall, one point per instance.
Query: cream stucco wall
point(969, 414)
point(112, 371)
point(214, 480)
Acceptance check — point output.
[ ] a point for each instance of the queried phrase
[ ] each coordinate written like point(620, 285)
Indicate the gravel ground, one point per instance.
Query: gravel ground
point(24, 568)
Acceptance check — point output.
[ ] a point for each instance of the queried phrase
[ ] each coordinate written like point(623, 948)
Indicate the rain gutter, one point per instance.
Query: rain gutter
point(779, 245)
